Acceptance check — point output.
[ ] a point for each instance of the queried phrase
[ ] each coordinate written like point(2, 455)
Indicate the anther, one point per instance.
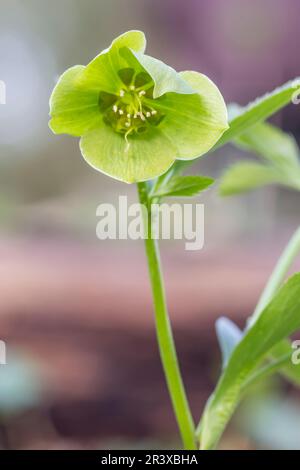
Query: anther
point(115, 108)
point(122, 93)
point(142, 93)
point(129, 116)
point(127, 124)
point(148, 114)
point(132, 87)
point(121, 111)
point(153, 112)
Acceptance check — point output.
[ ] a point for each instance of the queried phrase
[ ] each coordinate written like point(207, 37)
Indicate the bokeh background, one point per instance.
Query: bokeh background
point(83, 368)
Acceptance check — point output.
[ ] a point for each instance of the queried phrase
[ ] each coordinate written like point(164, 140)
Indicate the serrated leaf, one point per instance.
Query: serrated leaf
point(229, 335)
point(246, 176)
point(278, 320)
point(259, 110)
point(183, 186)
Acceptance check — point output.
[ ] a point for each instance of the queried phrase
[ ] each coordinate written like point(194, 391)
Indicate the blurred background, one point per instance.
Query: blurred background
point(82, 364)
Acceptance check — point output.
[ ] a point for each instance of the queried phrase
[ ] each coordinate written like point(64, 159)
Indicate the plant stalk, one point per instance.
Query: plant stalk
point(164, 331)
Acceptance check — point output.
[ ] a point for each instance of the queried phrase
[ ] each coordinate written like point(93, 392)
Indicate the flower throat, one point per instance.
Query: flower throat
point(132, 111)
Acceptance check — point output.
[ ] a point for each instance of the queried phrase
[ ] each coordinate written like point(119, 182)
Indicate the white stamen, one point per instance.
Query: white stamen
point(132, 87)
point(122, 93)
point(135, 116)
point(142, 93)
point(115, 108)
point(127, 124)
point(121, 111)
point(142, 117)
point(148, 114)
point(129, 115)
point(153, 112)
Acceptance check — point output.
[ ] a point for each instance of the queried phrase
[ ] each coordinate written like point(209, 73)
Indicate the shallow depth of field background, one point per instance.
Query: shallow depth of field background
point(83, 368)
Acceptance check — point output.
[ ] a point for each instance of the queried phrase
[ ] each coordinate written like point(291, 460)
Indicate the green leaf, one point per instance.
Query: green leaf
point(245, 176)
point(271, 143)
point(280, 152)
point(289, 370)
point(260, 110)
point(278, 320)
point(183, 186)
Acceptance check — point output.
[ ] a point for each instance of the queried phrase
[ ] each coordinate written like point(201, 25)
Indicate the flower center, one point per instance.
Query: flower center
point(132, 111)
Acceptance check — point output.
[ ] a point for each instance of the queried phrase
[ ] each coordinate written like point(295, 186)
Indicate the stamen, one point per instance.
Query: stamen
point(153, 112)
point(132, 87)
point(122, 93)
point(148, 114)
point(129, 115)
point(121, 111)
point(127, 124)
point(115, 108)
point(142, 93)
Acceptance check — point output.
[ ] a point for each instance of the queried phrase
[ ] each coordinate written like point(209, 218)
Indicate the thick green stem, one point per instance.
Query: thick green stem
point(164, 332)
point(277, 277)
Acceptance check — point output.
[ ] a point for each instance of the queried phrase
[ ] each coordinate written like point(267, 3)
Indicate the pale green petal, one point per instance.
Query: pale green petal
point(102, 72)
point(165, 78)
point(73, 109)
point(144, 158)
point(194, 123)
point(134, 40)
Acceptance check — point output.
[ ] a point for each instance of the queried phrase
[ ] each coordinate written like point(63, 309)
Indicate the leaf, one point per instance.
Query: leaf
point(277, 321)
point(229, 335)
point(245, 176)
point(183, 186)
point(271, 143)
point(279, 150)
point(289, 370)
point(260, 110)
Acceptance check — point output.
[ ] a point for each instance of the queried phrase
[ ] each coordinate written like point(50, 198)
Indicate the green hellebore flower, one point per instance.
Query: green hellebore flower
point(134, 114)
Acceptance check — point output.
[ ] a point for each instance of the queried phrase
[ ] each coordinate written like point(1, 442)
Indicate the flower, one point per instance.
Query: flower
point(134, 114)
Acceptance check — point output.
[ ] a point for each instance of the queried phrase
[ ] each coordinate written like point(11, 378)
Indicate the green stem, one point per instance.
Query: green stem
point(283, 265)
point(164, 332)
